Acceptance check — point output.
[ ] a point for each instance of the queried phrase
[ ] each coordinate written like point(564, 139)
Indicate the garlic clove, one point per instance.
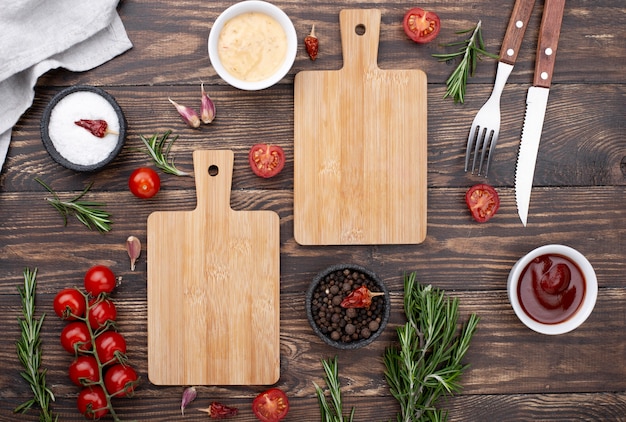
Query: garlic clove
point(133, 247)
point(188, 114)
point(207, 110)
point(189, 395)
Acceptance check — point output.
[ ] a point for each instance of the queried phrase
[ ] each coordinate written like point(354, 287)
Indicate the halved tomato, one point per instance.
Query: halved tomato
point(271, 405)
point(421, 26)
point(266, 160)
point(483, 202)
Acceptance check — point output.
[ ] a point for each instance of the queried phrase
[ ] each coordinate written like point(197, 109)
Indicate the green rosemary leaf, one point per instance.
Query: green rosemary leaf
point(87, 212)
point(159, 149)
point(29, 351)
point(472, 50)
point(427, 362)
point(332, 410)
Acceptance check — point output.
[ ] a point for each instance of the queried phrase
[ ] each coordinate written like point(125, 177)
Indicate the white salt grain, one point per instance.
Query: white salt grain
point(77, 144)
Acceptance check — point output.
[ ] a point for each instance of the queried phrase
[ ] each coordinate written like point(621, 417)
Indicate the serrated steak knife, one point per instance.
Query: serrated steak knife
point(536, 103)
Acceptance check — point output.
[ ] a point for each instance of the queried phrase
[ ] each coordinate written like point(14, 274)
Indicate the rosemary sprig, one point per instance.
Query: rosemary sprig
point(471, 50)
point(159, 149)
point(87, 212)
point(29, 351)
point(427, 363)
point(332, 410)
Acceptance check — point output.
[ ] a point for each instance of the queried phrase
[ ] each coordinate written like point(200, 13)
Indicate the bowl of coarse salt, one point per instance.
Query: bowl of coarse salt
point(83, 128)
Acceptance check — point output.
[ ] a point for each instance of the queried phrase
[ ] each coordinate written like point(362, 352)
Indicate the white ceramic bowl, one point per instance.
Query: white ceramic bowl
point(588, 301)
point(248, 6)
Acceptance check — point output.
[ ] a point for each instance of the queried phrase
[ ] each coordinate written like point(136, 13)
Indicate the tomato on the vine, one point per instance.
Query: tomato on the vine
point(144, 182)
point(84, 369)
point(102, 311)
point(266, 160)
point(99, 279)
point(483, 202)
point(271, 405)
point(69, 304)
point(110, 346)
point(421, 26)
point(92, 402)
point(120, 380)
point(76, 335)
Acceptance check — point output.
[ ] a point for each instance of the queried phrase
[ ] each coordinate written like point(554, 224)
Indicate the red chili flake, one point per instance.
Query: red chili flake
point(312, 44)
point(96, 127)
point(359, 298)
point(220, 411)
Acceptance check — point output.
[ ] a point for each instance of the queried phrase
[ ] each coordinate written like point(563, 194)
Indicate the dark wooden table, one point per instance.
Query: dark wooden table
point(578, 199)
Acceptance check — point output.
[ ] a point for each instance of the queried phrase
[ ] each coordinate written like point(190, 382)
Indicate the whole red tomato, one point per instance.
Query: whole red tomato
point(120, 380)
point(271, 405)
point(421, 26)
point(266, 160)
point(99, 279)
point(84, 369)
point(92, 402)
point(111, 347)
point(144, 182)
point(76, 335)
point(69, 304)
point(102, 311)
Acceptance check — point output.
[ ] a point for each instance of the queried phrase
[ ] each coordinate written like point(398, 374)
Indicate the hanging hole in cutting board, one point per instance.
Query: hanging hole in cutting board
point(359, 29)
point(213, 170)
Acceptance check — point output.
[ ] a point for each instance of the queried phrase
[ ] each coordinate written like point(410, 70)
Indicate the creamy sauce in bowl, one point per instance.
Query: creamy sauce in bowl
point(252, 46)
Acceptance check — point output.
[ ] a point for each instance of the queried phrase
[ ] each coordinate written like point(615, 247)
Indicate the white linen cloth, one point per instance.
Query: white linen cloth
point(39, 35)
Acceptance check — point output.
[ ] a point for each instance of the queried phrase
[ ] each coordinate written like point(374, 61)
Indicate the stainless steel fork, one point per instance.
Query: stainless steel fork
point(485, 130)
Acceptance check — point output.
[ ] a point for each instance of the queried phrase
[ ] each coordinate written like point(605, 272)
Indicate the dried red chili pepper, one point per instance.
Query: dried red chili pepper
point(359, 298)
point(220, 411)
point(312, 44)
point(96, 127)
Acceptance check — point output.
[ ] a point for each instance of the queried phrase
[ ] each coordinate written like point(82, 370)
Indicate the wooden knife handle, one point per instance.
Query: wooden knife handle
point(515, 31)
point(548, 41)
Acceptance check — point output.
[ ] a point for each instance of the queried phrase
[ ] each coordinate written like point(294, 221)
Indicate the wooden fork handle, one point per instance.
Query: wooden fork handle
point(515, 31)
point(548, 40)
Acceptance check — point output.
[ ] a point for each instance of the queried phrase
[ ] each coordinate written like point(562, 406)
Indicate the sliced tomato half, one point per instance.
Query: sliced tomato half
point(266, 160)
point(483, 202)
point(271, 405)
point(421, 26)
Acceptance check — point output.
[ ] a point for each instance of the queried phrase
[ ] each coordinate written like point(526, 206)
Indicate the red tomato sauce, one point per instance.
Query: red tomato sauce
point(551, 289)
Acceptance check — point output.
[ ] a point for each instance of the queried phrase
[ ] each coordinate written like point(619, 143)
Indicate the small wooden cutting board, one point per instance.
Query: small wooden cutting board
point(213, 287)
point(360, 151)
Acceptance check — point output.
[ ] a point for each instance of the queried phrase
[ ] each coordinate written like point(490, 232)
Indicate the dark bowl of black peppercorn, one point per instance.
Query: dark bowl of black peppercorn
point(347, 328)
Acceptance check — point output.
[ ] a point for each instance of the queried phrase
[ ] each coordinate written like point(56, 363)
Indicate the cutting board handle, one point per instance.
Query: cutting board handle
point(360, 32)
point(213, 172)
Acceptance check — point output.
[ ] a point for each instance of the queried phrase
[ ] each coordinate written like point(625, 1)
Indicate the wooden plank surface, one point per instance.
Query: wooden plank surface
point(360, 138)
point(579, 199)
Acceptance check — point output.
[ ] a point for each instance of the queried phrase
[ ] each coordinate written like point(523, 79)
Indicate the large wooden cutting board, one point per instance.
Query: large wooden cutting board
point(360, 146)
point(213, 287)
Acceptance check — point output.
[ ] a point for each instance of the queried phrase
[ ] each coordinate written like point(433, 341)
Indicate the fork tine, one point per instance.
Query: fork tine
point(480, 140)
point(486, 142)
point(492, 146)
point(470, 145)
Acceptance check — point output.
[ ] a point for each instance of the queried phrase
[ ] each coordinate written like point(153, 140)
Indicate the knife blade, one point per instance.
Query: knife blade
point(536, 104)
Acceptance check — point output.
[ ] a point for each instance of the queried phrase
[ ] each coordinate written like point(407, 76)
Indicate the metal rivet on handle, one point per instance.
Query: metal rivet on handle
point(548, 51)
point(510, 52)
point(544, 75)
point(519, 24)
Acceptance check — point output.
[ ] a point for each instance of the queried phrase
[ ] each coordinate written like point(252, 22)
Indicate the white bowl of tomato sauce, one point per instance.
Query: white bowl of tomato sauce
point(553, 289)
point(252, 45)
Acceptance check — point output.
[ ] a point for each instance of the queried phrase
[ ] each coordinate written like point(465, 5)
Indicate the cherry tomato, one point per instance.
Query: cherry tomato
point(69, 304)
point(120, 380)
point(75, 335)
point(483, 202)
point(144, 182)
point(92, 402)
point(266, 160)
point(99, 279)
point(110, 346)
point(84, 369)
point(271, 405)
point(101, 311)
point(421, 26)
